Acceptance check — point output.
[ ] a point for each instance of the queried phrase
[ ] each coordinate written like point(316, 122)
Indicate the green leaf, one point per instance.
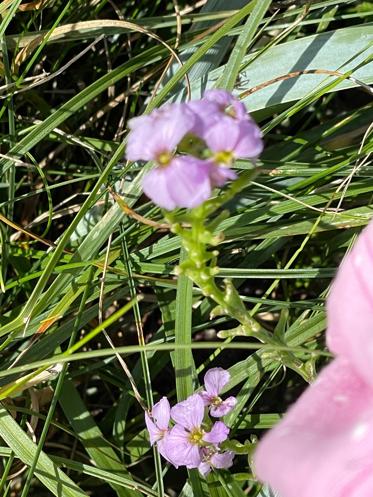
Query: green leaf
point(47, 471)
point(232, 67)
point(91, 436)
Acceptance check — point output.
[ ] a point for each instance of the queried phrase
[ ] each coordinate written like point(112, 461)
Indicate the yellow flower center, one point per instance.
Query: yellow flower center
point(216, 401)
point(196, 436)
point(164, 158)
point(224, 157)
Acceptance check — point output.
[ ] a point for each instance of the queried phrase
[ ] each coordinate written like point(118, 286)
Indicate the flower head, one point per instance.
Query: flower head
point(215, 380)
point(192, 144)
point(187, 437)
point(333, 419)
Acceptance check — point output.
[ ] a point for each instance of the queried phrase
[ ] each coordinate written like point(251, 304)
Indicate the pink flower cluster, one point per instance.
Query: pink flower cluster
point(193, 441)
point(324, 445)
point(214, 131)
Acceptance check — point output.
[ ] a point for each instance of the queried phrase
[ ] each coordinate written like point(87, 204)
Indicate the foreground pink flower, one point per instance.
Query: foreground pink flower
point(215, 380)
point(324, 445)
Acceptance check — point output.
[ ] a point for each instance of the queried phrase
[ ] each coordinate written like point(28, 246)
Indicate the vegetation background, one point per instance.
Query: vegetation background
point(84, 279)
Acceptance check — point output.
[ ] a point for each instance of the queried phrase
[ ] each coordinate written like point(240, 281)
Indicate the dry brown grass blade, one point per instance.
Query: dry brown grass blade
point(61, 31)
point(296, 74)
point(36, 5)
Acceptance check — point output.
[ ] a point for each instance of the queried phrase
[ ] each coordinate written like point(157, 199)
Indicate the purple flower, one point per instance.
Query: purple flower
point(185, 182)
point(211, 458)
point(215, 380)
point(156, 136)
point(229, 139)
point(186, 439)
point(157, 424)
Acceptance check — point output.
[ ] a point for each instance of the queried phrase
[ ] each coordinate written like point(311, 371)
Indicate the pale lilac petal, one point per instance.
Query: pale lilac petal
point(206, 397)
point(189, 413)
point(249, 143)
point(208, 113)
point(225, 100)
point(183, 183)
point(156, 186)
point(219, 175)
point(219, 432)
point(161, 413)
point(189, 181)
point(350, 307)
point(178, 449)
point(324, 445)
point(215, 380)
point(154, 433)
point(223, 460)
point(204, 468)
point(159, 132)
point(223, 408)
point(241, 138)
point(223, 135)
point(162, 448)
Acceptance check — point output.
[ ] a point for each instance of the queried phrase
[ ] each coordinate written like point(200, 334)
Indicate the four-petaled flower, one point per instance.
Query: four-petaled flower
point(186, 439)
point(215, 380)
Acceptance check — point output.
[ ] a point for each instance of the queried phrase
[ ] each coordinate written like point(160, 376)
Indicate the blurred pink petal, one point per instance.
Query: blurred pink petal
point(184, 182)
point(159, 132)
point(158, 421)
point(324, 445)
point(227, 102)
point(350, 307)
point(234, 138)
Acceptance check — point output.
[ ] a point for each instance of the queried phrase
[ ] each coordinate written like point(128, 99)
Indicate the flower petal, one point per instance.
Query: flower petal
point(159, 132)
point(189, 413)
point(156, 187)
point(350, 307)
point(222, 460)
point(324, 444)
point(219, 432)
point(179, 451)
point(219, 175)
point(215, 380)
point(161, 413)
point(154, 433)
point(204, 468)
point(249, 143)
point(189, 181)
point(223, 408)
point(225, 100)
